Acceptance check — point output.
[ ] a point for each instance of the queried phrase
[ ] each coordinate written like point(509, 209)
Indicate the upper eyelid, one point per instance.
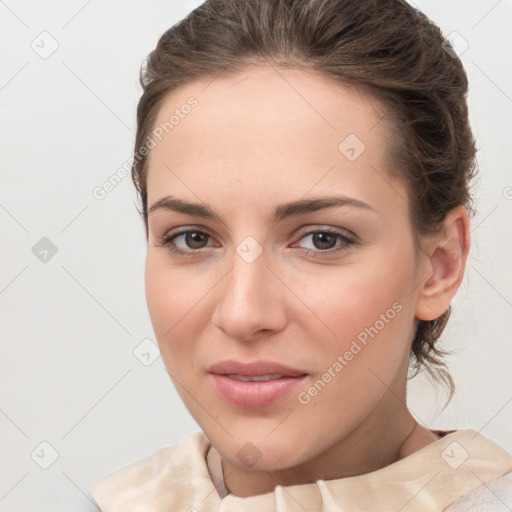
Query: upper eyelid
point(305, 230)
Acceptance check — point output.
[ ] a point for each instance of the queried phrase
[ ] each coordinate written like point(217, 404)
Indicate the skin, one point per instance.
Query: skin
point(258, 139)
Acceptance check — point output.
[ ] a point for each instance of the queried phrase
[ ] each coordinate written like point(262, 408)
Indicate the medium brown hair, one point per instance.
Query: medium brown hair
point(385, 46)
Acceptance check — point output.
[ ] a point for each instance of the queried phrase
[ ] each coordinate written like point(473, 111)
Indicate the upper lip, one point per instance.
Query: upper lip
point(254, 368)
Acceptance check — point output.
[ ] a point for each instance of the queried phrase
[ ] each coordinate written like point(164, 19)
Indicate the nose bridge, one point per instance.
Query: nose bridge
point(249, 266)
point(248, 295)
point(248, 279)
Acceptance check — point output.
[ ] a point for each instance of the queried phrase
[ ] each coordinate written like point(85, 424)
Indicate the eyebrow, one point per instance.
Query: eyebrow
point(294, 208)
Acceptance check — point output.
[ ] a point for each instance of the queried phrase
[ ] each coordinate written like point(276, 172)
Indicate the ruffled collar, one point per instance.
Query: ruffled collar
point(178, 479)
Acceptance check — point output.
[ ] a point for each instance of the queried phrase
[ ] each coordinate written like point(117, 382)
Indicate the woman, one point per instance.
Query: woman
point(304, 171)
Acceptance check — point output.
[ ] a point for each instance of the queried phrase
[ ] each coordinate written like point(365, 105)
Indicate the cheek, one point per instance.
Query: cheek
point(168, 298)
point(366, 313)
point(176, 299)
point(349, 299)
point(158, 298)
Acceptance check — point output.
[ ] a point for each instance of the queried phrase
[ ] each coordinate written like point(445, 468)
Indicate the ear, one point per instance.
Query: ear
point(443, 266)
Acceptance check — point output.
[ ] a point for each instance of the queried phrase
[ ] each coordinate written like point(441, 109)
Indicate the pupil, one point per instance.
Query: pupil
point(320, 237)
point(193, 238)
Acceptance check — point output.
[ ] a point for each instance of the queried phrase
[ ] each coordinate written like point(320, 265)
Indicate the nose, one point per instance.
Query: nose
point(251, 300)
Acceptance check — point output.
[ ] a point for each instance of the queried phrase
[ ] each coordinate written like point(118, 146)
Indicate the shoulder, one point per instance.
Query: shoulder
point(135, 483)
point(494, 496)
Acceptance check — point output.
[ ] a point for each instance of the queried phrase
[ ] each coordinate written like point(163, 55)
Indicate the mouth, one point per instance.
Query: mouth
point(254, 384)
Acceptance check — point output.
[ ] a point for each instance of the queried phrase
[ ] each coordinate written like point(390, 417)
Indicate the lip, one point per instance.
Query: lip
point(251, 369)
point(254, 394)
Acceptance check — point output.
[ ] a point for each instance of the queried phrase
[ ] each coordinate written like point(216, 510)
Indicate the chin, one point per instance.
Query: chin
point(256, 451)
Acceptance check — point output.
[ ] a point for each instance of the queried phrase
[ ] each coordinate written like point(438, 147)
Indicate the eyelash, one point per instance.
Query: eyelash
point(167, 241)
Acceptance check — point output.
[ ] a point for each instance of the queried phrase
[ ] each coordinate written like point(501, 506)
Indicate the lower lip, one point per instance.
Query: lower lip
point(254, 394)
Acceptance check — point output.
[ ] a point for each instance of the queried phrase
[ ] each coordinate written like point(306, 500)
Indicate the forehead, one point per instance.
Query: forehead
point(280, 127)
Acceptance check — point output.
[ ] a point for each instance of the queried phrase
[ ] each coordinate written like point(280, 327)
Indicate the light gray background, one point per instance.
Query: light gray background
point(70, 325)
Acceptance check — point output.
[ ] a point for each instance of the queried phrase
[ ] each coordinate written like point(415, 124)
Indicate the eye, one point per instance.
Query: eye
point(324, 241)
point(192, 238)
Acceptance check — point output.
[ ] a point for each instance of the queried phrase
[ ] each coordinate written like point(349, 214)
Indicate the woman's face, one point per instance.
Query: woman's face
point(257, 280)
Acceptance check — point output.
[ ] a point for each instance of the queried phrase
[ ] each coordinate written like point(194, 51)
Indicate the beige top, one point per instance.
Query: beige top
point(188, 478)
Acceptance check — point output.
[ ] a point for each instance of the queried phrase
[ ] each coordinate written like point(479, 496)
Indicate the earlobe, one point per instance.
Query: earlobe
point(445, 262)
